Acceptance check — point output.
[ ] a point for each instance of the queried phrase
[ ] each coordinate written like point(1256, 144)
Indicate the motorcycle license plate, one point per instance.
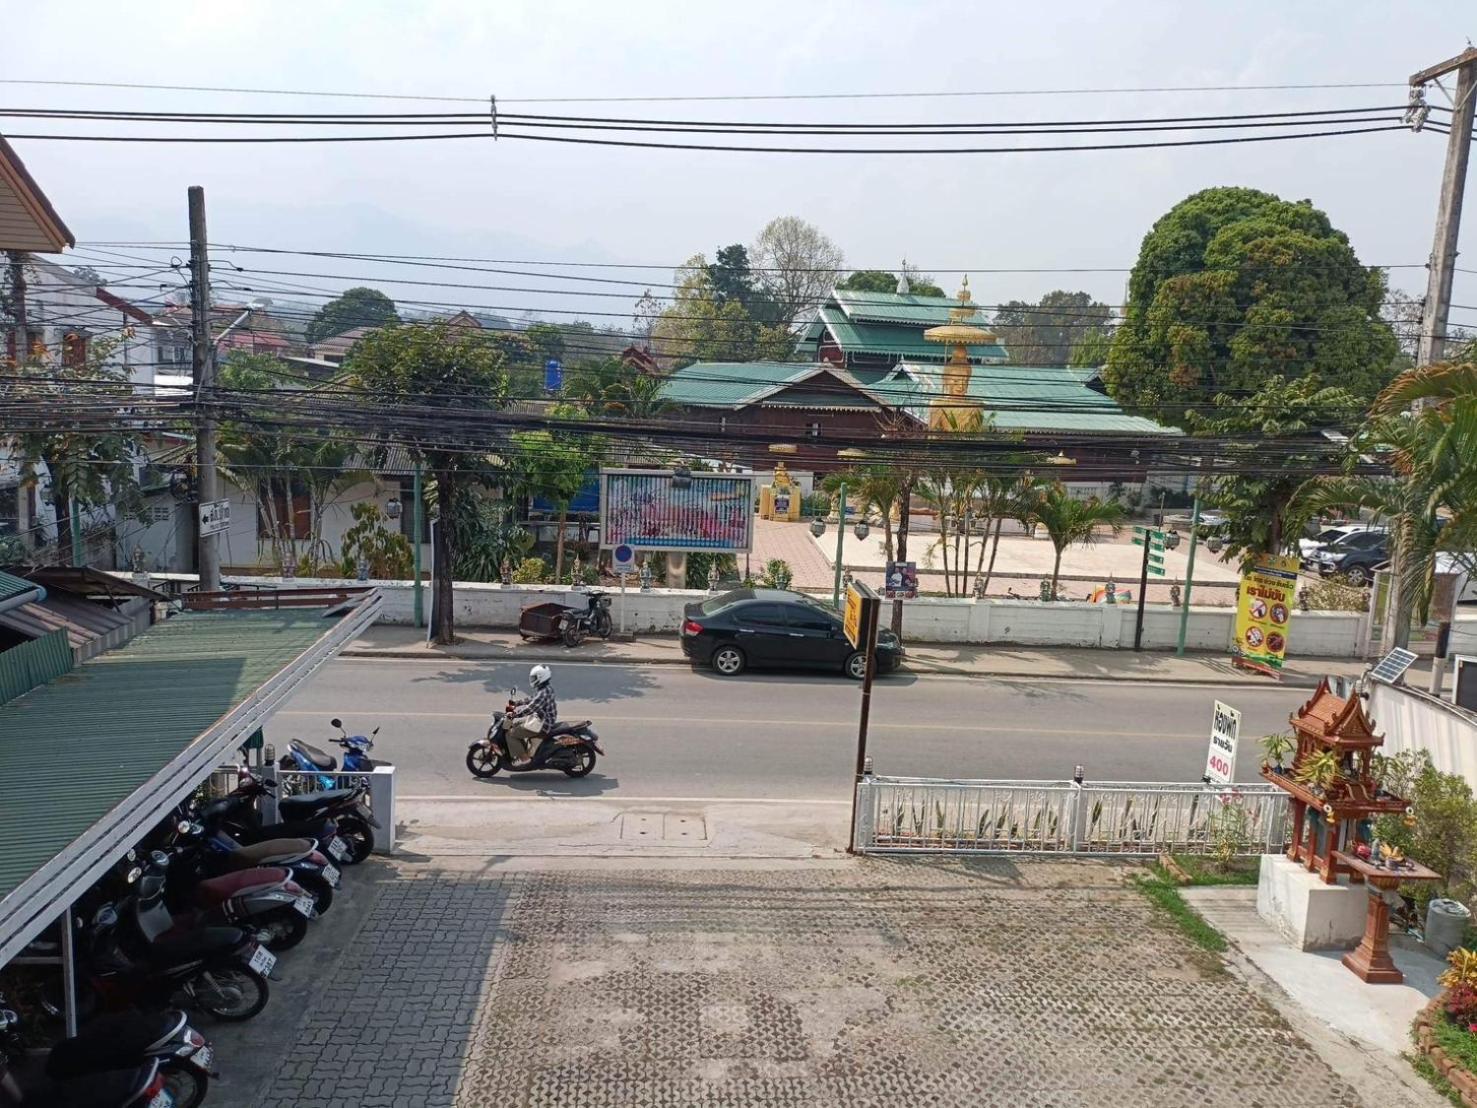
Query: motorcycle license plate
point(262, 960)
point(304, 904)
point(338, 848)
point(203, 1057)
point(331, 874)
point(162, 1099)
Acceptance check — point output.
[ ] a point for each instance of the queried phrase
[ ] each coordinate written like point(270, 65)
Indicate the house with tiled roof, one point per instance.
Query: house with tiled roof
point(869, 333)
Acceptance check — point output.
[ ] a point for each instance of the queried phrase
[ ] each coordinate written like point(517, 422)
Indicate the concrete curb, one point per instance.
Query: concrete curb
point(913, 666)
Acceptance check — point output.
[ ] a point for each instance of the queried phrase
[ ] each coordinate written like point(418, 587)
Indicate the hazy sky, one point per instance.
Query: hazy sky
point(544, 202)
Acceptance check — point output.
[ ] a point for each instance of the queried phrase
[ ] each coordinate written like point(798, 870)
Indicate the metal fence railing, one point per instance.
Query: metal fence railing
point(920, 815)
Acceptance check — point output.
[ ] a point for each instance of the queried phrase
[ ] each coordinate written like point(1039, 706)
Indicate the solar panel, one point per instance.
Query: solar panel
point(1392, 666)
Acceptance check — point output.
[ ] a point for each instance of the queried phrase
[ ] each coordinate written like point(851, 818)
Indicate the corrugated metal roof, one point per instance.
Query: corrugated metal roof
point(11, 586)
point(1024, 398)
point(73, 750)
point(90, 627)
point(730, 384)
point(903, 341)
point(892, 307)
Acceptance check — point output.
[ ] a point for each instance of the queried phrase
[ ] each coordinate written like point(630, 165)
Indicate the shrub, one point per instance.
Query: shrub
point(531, 571)
point(1333, 595)
point(387, 552)
point(1230, 830)
point(777, 574)
point(1443, 831)
point(1461, 1004)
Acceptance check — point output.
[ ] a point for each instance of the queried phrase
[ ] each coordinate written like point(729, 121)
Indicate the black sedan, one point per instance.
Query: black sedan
point(772, 628)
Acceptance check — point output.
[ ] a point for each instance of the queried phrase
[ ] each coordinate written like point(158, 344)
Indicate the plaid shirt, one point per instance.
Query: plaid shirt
point(543, 705)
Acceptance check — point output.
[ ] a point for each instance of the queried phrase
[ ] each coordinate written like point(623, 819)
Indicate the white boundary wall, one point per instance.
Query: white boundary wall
point(1414, 720)
point(927, 619)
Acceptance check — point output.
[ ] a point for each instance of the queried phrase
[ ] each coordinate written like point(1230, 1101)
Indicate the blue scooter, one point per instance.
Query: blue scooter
point(309, 759)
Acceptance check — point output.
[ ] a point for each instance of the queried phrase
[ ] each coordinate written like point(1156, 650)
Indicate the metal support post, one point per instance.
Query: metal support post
point(1179, 650)
point(840, 544)
point(417, 526)
point(1138, 624)
point(202, 362)
point(69, 973)
point(77, 555)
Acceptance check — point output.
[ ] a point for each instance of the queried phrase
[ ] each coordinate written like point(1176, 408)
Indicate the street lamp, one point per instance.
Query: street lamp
point(260, 303)
point(862, 529)
point(393, 508)
point(817, 527)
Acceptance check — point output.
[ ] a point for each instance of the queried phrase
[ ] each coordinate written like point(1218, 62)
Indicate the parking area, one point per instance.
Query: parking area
point(869, 982)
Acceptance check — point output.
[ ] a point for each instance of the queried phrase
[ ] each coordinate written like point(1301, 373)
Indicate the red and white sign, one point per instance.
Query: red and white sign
point(1225, 728)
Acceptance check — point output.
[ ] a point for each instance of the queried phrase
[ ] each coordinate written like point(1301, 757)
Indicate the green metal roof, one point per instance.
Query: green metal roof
point(11, 586)
point(892, 307)
point(1023, 398)
point(903, 341)
point(75, 749)
point(731, 384)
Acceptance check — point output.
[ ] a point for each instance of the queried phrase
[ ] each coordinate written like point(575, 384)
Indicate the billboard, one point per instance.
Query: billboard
point(649, 510)
point(1263, 610)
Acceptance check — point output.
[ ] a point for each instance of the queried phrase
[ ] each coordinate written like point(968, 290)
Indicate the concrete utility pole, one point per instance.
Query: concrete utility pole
point(1449, 208)
point(202, 362)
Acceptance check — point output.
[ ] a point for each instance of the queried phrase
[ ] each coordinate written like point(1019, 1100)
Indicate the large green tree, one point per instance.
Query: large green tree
point(436, 367)
point(1266, 445)
point(355, 307)
point(702, 325)
point(1234, 288)
point(1047, 332)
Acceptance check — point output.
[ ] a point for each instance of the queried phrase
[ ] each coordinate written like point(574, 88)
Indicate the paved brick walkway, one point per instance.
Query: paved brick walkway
point(878, 983)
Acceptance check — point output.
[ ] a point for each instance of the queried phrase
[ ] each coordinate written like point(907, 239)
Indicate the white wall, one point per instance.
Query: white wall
point(1413, 720)
point(936, 620)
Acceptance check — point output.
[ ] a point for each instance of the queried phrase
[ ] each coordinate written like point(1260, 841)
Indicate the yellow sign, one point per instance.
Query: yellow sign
point(851, 620)
point(1263, 611)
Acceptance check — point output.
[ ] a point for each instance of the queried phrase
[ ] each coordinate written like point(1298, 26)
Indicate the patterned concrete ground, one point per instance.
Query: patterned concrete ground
point(882, 983)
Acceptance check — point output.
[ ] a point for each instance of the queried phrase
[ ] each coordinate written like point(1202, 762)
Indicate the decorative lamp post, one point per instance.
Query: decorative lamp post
point(862, 530)
point(393, 508)
point(817, 527)
point(645, 577)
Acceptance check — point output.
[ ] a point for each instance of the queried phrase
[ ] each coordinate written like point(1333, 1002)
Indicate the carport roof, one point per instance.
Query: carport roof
point(91, 760)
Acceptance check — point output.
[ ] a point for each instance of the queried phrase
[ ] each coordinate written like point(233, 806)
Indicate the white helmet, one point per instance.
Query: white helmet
point(539, 676)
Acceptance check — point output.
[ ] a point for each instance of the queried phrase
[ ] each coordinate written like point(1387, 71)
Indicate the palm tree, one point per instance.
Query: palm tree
point(1430, 496)
point(1068, 520)
point(872, 487)
point(1007, 496)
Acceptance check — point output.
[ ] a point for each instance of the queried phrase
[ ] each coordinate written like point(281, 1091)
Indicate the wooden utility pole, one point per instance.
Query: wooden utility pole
point(1449, 208)
point(202, 363)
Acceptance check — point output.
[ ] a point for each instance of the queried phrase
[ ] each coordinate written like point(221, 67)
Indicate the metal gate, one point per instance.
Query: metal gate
point(927, 815)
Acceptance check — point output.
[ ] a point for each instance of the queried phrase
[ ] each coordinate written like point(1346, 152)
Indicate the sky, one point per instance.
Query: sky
point(529, 201)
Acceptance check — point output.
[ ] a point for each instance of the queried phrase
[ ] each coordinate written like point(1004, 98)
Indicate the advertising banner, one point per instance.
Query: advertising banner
point(1264, 606)
point(902, 581)
point(654, 510)
point(1225, 730)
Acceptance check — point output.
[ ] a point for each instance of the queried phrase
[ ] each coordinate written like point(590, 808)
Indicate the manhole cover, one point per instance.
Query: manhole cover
point(668, 827)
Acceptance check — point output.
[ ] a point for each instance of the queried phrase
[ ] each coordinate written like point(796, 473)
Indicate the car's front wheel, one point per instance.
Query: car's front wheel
point(1357, 575)
point(729, 661)
point(856, 666)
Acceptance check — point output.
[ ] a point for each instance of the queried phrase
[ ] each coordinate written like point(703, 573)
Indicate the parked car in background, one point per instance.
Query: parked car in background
point(775, 628)
point(1310, 547)
point(1354, 557)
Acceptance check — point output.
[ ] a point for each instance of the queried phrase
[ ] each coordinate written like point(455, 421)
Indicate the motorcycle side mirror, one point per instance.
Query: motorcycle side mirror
point(184, 826)
point(159, 858)
point(376, 731)
point(133, 875)
point(336, 723)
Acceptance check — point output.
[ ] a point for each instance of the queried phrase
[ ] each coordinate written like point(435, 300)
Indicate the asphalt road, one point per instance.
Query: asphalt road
point(670, 732)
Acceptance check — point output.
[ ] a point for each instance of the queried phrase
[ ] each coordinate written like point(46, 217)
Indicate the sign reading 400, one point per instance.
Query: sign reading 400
point(1225, 729)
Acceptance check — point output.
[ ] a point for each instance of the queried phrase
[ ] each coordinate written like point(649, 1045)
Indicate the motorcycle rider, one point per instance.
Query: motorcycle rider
point(533, 718)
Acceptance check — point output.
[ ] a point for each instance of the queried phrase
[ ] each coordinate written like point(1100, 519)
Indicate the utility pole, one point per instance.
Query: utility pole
point(1449, 206)
point(202, 362)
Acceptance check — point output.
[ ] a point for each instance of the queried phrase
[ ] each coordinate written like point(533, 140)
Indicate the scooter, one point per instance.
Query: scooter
point(571, 747)
point(593, 619)
point(121, 1042)
point(342, 829)
point(204, 854)
point(308, 758)
point(264, 900)
point(24, 1085)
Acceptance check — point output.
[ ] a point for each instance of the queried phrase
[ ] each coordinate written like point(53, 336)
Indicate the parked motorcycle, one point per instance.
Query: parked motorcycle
point(203, 853)
point(25, 1083)
point(308, 758)
point(124, 1042)
point(337, 819)
point(594, 619)
point(571, 747)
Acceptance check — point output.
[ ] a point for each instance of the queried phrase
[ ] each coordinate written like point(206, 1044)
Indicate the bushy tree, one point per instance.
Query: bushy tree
point(1069, 521)
point(879, 280)
point(1234, 288)
point(1046, 333)
point(700, 325)
point(355, 307)
point(443, 367)
point(1091, 352)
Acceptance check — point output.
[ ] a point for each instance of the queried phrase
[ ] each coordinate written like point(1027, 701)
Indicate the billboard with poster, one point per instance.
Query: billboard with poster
point(902, 581)
point(1264, 604)
point(653, 509)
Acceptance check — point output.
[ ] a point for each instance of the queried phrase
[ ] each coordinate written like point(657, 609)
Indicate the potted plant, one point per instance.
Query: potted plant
point(1318, 771)
point(1275, 748)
